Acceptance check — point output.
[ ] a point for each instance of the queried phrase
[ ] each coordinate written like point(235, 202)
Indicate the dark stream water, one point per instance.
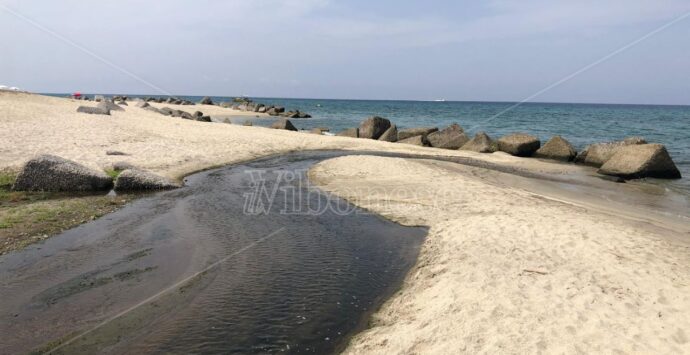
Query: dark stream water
point(290, 280)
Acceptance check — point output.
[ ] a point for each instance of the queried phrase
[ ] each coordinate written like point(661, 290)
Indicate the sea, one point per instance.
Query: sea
point(581, 124)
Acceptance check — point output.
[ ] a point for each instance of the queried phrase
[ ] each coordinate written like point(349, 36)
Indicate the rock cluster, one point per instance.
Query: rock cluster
point(246, 105)
point(631, 158)
point(52, 173)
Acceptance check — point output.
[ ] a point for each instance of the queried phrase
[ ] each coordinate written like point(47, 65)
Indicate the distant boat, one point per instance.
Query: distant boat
point(440, 100)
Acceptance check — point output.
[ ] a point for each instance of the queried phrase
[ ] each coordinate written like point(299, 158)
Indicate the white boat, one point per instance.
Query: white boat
point(440, 100)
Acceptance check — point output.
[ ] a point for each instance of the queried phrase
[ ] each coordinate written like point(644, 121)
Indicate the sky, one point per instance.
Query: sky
point(600, 51)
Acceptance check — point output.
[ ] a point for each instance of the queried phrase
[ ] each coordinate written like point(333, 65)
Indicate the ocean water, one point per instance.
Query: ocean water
point(581, 124)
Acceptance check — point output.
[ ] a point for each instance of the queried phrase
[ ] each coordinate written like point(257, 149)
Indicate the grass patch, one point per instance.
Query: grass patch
point(34, 219)
point(113, 173)
point(7, 178)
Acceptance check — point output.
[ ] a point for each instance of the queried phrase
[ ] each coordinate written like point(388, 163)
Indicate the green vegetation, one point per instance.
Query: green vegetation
point(27, 217)
point(113, 173)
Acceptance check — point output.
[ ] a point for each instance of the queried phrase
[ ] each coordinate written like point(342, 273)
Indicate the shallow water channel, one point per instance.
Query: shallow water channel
point(244, 259)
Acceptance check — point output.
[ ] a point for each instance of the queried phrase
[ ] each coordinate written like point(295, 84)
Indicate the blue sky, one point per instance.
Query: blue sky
point(495, 50)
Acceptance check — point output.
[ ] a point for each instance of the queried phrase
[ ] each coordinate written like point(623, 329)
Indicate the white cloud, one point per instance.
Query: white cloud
point(508, 19)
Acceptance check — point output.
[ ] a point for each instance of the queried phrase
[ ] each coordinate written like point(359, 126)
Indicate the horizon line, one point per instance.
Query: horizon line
point(360, 99)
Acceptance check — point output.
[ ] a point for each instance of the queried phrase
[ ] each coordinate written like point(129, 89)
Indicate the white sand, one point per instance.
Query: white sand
point(610, 284)
point(508, 271)
point(35, 124)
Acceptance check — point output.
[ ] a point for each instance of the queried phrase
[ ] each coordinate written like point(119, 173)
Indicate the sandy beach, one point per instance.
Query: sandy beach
point(506, 268)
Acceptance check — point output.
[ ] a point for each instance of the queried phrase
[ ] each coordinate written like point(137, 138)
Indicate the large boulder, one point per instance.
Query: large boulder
point(557, 148)
point(416, 140)
point(350, 132)
point(204, 119)
point(152, 109)
point(481, 143)
point(390, 135)
point(98, 98)
point(142, 104)
point(373, 127)
point(411, 132)
point(284, 124)
point(166, 111)
point(599, 153)
point(93, 110)
point(109, 105)
point(137, 180)
point(452, 137)
point(206, 101)
point(638, 161)
point(52, 173)
point(519, 144)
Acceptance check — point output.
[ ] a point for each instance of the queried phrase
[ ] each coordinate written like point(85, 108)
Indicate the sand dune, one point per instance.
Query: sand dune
point(506, 270)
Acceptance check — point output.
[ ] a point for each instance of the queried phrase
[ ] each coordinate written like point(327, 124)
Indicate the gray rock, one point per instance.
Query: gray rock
point(481, 143)
point(98, 98)
point(121, 103)
point(109, 105)
point(139, 180)
point(273, 111)
point(204, 119)
point(636, 161)
point(599, 153)
point(114, 152)
point(206, 101)
point(452, 137)
point(93, 110)
point(248, 123)
point(557, 148)
point(52, 173)
point(284, 124)
point(176, 113)
point(373, 127)
point(121, 166)
point(350, 132)
point(519, 144)
point(142, 104)
point(390, 135)
point(411, 132)
point(166, 111)
point(303, 115)
point(152, 109)
point(419, 140)
point(262, 109)
point(186, 115)
point(581, 157)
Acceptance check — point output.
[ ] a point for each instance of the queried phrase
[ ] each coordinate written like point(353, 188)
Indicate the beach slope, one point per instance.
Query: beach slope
point(505, 270)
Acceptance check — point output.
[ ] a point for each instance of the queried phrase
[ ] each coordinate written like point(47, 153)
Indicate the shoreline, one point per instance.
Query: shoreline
point(177, 149)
